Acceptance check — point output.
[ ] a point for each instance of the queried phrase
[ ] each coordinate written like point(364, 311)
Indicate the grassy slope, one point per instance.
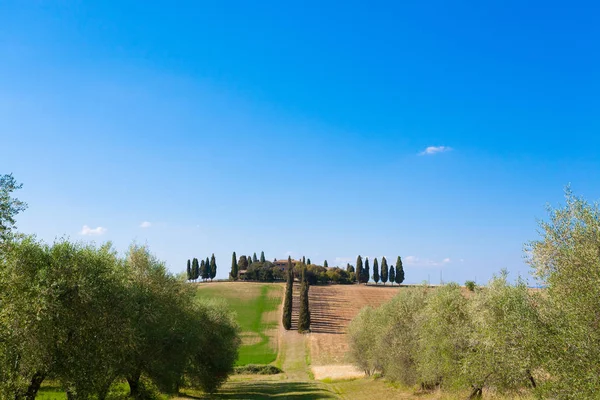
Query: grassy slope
point(252, 304)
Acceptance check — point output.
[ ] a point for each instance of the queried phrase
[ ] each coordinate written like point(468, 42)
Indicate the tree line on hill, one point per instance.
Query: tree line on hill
point(503, 337)
point(86, 317)
point(204, 270)
point(253, 269)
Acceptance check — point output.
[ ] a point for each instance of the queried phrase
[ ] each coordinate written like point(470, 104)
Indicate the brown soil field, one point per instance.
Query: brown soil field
point(332, 307)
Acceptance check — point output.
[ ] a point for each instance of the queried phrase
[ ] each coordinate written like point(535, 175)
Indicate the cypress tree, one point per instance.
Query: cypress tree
point(213, 267)
point(366, 275)
point(254, 259)
point(392, 275)
point(375, 271)
point(200, 271)
point(249, 260)
point(195, 269)
point(384, 270)
point(206, 272)
point(303, 260)
point(262, 257)
point(399, 271)
point(308, 262)
point(233, 275)
point(325, 264)
point(189, 270)
point(287, 304)
point(304, 315)
point(359, 269)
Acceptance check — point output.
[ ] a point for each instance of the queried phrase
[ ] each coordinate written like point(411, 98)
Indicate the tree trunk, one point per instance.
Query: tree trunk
point(533, 384)
point(34, 385)
point(104, 390)
point(477, 393)
point(134, 385)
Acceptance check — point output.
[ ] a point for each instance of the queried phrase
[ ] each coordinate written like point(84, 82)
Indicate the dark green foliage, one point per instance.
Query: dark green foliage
point(213, 267)
point(324, 264)
point(9, 206)
point(303, 260)
point(243, 263)
point(349, 268)
point(365, 275)
point(206, 272)
point(399, 271)
point(392, 275)
point(262, 257)
point(470, 285)
point(287, 304)
point(359, 269)
point(304, 314)
point(384, 270)
point(257, 369)
point(308, 261)
point(375, 271)
point(263, 272)
point(233, 275)
point(189, 270)
point(106, 319)
point(254, 259)
point(201, 270)
point(195, 269)
point(338, 275)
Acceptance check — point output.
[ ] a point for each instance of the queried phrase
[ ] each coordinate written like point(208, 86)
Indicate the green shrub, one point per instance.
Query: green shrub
point(470, 285)
point(257, 369)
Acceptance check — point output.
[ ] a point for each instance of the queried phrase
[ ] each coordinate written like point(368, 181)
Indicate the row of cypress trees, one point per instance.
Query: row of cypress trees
point(243, 263)
point(304, 312)
point(205, 269)
point(383, 274)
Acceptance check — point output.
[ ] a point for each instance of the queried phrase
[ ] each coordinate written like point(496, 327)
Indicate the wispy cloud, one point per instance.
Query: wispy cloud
point(431, 150)
point(415, 261)
point(342, 261)
point(87, 231)
point(145, 224)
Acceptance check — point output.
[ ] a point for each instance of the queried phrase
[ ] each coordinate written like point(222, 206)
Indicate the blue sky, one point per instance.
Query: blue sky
point(300, 128)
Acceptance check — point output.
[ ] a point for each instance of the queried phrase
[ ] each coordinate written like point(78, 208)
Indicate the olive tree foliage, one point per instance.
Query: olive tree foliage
point(9, 206)
point(85, 317)
point(506, 338)
point(443, 328)
point(399, 337)
point(384, 339)
point(566, 259)
point(60, 307)
point(213, 345)
point(174, 335)
point(361, 331)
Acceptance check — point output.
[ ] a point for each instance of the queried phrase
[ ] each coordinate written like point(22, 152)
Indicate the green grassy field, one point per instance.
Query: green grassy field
point(256, 306)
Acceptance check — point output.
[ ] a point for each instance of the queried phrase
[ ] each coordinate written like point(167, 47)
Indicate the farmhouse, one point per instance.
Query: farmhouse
point(283, 263)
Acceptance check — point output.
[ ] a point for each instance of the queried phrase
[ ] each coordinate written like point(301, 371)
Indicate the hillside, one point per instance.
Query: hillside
point(332, 308)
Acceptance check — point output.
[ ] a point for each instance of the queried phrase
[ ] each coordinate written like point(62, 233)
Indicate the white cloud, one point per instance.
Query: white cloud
point(424, 262)
point(145, 224)
point(411, 259)
point(431, 150)
point(87, 231)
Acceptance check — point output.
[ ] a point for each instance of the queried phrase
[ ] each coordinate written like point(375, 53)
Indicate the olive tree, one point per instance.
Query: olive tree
point(442, 338)
point(566, 259)
point(506, 337)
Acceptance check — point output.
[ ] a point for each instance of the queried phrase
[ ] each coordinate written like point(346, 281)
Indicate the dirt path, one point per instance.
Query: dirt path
point(293, 347)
